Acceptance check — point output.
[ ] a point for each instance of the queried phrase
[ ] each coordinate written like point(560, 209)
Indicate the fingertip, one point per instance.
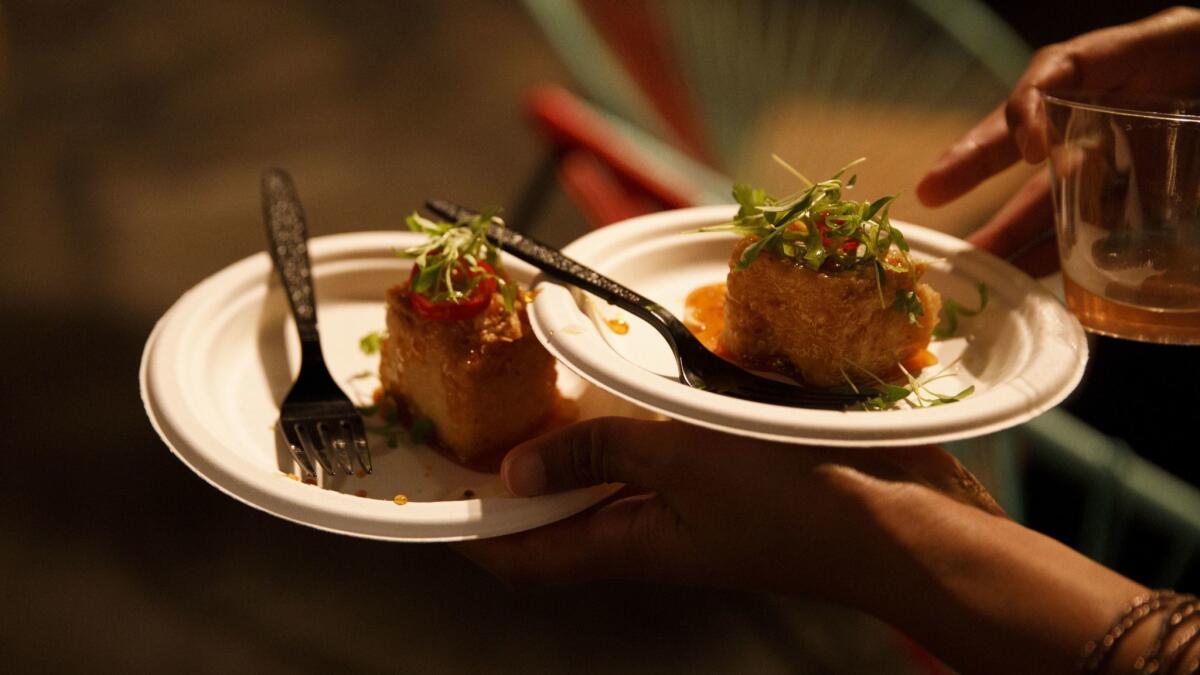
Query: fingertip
point(1023, 115)
point(928, 190)
point(523, 472)
point(1034, 149)
point(982, 152)
point(1030, 140)
point(936, 187)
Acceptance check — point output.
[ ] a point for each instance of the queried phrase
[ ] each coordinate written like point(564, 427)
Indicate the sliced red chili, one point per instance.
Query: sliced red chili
point(448, 310)
point(823, 228)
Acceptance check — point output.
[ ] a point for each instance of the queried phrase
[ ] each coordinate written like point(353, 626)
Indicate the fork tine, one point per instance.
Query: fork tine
point(333, 437)
point(358, 441)
point(311, 440)
point(292, 440)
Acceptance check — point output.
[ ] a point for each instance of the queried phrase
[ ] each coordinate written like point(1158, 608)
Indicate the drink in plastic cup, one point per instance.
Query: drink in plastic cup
point(1126, 185)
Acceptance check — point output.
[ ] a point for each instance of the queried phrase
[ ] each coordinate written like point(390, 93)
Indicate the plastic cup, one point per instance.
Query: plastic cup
point(1126, 187)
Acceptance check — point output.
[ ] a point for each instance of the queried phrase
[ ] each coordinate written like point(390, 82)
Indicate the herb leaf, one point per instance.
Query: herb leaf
point(875, 206)
point(916, 394)
point(887, 395)
point(816, 227)
point(421, 430)
point(908, 303)
point(942, 400)
point(951, 310)
point(452, 249)
point(750, 254)
point(370, 343)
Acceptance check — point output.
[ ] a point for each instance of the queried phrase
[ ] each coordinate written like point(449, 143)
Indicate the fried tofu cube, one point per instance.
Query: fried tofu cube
point(485, 382)
point(824, 327)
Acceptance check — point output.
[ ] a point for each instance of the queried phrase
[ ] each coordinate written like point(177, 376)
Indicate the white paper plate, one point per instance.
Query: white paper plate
point(1024, 354)
point(219, 362)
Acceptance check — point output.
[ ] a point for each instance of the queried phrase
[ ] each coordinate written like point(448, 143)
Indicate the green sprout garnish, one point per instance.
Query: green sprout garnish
point(371, 342)
point(916, 392)
point(909, 304)
point(391, 427)
point(422, 431)
point(452, 247)
point(819, 229)
point(951, 310)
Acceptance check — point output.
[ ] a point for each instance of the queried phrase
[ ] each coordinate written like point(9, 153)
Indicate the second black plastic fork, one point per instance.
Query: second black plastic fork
point(698, 367)
point(316, 418)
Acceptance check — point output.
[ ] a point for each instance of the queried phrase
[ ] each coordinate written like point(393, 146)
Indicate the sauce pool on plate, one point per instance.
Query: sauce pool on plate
point(704, 315)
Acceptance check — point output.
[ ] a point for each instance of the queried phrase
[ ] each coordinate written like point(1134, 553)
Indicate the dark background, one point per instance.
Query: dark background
point(131, 136)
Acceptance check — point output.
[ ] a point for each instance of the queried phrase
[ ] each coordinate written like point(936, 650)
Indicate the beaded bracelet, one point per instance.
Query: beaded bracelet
point(1184, 645)
point(1156, 659)
point(1096, 652)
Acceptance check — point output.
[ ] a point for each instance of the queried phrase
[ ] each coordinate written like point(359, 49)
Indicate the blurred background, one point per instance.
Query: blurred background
point(132, 134)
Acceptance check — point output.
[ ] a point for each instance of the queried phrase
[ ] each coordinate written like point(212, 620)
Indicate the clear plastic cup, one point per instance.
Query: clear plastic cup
point(1126, 184)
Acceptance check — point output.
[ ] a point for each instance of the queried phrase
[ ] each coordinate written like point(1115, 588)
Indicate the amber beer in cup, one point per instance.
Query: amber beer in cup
point(1126, 186)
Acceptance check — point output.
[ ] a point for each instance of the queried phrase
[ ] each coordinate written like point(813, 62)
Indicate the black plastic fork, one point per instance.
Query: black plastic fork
point(316, 418)
point(698, 367)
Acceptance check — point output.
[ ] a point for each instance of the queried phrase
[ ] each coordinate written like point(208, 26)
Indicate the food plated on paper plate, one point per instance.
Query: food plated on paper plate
point(459, 350)
point(823, 288)
point(480, 352)
point(947, 341)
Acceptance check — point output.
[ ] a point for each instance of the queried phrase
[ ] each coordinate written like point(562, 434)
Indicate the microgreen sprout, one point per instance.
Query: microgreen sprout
point(370, 343)
point(448, 264)
point(819, 229)
point(909, 304)
point(951, 310)
point(915, 393)
point(422, 431)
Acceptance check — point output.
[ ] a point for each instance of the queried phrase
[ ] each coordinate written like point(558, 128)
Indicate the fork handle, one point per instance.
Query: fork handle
point(551, 261)
point(287, 232)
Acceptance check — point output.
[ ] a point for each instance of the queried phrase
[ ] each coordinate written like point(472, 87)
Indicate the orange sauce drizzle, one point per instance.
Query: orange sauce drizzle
point(617, 325)
point(919, 361)
point(704, 315)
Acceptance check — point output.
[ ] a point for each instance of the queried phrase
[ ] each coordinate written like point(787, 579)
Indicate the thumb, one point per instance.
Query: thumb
point(595, 451)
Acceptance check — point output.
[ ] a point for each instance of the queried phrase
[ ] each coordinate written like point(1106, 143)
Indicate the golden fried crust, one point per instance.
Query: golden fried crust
point(485, 382)
point(781, 315)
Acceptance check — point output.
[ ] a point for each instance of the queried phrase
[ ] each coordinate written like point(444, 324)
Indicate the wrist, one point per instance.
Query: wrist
point(952, 568)
point(860, 537)
point(895, 517)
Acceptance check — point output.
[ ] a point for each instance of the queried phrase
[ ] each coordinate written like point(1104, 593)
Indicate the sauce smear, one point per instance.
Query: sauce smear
point(704, 315)
point(618, 325)
point(919, 361)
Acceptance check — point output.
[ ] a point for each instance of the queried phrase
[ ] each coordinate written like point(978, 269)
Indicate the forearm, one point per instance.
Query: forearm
point(986, 594)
